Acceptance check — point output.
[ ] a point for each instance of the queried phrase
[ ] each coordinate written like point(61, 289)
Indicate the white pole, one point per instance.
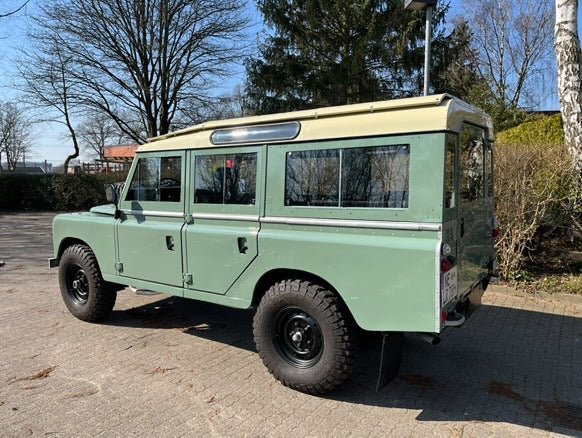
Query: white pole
point(427, 49)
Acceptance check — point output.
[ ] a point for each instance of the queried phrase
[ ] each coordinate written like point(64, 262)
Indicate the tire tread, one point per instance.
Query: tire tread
point(105, 293)
point(335, 316)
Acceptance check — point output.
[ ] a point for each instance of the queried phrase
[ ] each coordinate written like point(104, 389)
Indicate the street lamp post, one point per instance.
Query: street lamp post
point(426, 5)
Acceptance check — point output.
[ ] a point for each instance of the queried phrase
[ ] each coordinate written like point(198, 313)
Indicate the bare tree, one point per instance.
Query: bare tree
point(51, 84)
point(228, 106)
point(14, 10)
point(567, 45)
point(15, 134)
point(513, 42)
point(149, 58)
point(98, 131)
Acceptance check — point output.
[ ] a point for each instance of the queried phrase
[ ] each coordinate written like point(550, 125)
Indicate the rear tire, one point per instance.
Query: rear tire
point(304, 336)
point(85, 293)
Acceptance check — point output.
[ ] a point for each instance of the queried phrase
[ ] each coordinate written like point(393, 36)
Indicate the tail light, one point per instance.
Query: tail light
point(446, 265)
point(448, 261)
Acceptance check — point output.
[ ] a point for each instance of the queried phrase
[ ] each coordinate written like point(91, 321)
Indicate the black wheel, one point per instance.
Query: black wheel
point(304, 337)
point(86, 294)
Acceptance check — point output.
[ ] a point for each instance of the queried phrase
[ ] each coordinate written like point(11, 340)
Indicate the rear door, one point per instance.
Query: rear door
point(475, 214)
point(221, 237)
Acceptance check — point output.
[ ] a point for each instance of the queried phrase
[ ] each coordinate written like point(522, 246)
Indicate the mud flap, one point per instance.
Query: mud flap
point(390, 358)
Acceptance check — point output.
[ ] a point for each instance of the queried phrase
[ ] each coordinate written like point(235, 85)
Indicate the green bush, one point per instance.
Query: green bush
point(547, 130)
point(54, 192)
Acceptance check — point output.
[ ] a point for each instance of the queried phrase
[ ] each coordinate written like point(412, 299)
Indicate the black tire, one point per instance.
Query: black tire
point(304, 336)
point(85, 293)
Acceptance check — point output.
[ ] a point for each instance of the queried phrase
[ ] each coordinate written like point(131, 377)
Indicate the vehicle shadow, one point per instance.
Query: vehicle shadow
point(206, 320)
point(504, 365)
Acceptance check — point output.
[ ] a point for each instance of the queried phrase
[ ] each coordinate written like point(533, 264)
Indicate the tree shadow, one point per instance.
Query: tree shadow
point(504, 365)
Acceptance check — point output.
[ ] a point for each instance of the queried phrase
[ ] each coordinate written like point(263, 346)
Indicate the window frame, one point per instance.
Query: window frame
point(341, 174)
point(424, 180)
point(156, 206)
point(489, 171)
point(481, 196)
point(244, 209)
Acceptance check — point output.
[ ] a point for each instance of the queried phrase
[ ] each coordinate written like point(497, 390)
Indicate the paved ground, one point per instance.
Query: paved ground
point(172, 367)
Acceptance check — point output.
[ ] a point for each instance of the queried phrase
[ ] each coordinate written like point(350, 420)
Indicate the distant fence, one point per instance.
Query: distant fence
point(54, 192)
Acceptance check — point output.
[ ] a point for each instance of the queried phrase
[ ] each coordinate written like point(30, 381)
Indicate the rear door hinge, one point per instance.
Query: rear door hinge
point(187, 278)
point(119, 267)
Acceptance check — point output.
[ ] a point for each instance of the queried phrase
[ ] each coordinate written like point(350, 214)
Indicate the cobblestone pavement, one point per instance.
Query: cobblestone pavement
point(164, 366)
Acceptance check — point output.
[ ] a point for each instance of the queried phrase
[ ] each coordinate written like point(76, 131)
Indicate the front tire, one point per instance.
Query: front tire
point(304, 336)
point(85, 293)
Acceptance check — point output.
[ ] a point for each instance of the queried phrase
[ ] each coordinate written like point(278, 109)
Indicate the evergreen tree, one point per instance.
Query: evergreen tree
point(334, 52)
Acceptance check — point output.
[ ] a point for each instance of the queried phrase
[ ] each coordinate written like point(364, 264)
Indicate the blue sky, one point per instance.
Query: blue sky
point(50, 142)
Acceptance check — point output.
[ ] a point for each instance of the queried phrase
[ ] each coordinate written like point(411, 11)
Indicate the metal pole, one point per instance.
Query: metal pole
point(427, 49)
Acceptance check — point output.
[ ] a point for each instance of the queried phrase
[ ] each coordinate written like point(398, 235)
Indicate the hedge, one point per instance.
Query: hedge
point(547, 130)
point(54, 192)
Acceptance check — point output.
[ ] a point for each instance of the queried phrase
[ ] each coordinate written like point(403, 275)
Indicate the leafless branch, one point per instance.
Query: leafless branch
point(14, 11)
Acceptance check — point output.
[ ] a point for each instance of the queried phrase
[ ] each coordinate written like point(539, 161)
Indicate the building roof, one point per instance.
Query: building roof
point(400, 116)
point(120, 152)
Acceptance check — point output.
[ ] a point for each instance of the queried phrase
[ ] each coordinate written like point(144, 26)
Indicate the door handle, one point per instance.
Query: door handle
point(242, 245)
point(462, 227)
point(170, 243)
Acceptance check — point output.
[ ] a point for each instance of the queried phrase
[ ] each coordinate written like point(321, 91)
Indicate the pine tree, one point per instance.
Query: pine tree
point(334, 52)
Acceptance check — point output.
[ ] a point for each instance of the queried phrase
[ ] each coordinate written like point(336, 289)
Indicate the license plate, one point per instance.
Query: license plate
point(448, 286)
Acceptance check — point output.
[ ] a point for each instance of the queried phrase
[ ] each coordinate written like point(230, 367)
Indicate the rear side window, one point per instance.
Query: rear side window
point(373, 177)
point(156, 179)
point(312, 178)
point(226, 179)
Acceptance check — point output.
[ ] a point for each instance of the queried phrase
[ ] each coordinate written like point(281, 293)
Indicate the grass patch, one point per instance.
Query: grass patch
point(555, 268)
point(569, 284)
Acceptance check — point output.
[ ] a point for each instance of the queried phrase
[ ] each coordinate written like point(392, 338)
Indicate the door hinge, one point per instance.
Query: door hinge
point(119, 267)
point(187, 278)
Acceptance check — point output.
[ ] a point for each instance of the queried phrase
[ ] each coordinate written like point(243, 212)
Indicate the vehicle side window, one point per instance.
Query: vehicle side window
point(375, 177)
point(156, 179)
point(312, 178)
point(372, 177)
point(450, 153)
point(226, 179)
point(489, 168)
point(472, 163)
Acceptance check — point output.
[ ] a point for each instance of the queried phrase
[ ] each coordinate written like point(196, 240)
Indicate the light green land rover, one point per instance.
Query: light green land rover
point(373, 217)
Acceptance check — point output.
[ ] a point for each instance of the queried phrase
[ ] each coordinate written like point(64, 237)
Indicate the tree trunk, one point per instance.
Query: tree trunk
point(73, 155)
point(73, 135)
point(567, 45)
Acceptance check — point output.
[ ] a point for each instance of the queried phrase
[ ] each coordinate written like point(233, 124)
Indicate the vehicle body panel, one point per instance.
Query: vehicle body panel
point(93, 229)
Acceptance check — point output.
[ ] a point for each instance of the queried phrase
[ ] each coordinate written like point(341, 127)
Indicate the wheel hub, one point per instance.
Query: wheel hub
point(299, 338)
point(78, 284)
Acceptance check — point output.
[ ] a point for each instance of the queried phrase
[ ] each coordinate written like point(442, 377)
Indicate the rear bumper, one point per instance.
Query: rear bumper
point(54, 262)
point(458, 312)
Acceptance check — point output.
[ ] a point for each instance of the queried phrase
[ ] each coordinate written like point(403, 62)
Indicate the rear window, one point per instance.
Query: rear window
point(489, 168)
point(372, 177)
point(472, 141)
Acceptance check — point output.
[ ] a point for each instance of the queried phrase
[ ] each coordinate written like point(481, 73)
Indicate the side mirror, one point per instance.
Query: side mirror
point(111, 194)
